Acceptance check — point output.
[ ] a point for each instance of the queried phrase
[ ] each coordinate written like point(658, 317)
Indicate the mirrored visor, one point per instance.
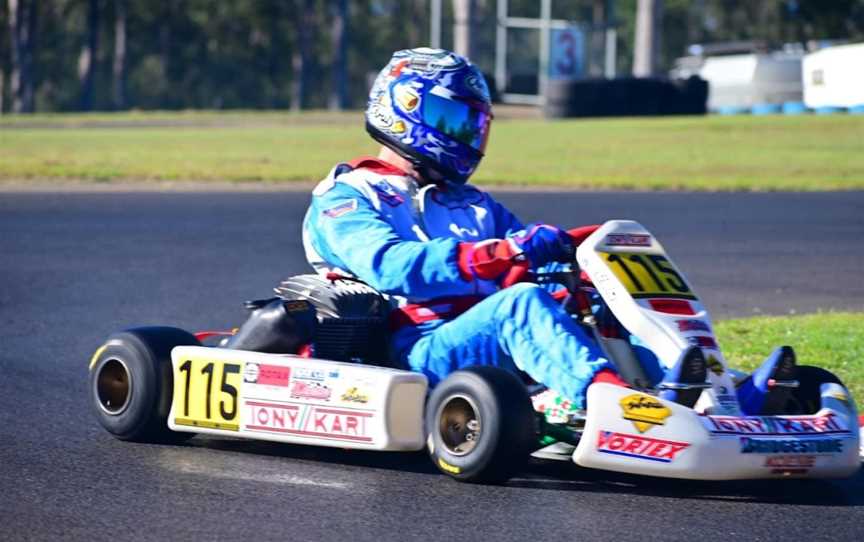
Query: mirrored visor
point(458, 119)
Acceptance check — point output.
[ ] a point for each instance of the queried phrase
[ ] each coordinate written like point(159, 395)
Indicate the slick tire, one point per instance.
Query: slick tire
point(131, 383)
point(807, 397)
point(480, 425)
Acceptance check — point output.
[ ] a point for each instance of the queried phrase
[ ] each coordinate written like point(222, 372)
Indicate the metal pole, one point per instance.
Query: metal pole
point(611, 49)
point(647, 40)
point(501, 48)
point(543, 78)
point(435, 24)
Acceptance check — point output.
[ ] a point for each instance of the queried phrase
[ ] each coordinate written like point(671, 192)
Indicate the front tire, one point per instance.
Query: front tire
point(480, 425)
point(132, 382)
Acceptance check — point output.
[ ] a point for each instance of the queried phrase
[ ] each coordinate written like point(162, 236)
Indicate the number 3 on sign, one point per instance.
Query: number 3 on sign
point(206, 394)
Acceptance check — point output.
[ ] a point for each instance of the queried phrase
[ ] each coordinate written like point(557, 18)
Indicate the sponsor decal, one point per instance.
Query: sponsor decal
point(639, 447)
point(786, 462)
point(380, 116)
point(825, 424)
point(388, 194)
point(341, 209)
point(840, 395)
point(644, 411)
point(406, 97)
point(266, 375)
point(298, 305)
point(628, 240)
point(447, 467)
point(672, 306)
point(354, 395)
point(692, 324)
point(308, 421)
point(477, 86)
point(714, 365)
point(313, 390)
point(750, 445)
point(314, 375)
point(704, 342)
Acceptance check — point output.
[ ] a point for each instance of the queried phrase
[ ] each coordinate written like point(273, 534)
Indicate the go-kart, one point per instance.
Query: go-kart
point(309, 366)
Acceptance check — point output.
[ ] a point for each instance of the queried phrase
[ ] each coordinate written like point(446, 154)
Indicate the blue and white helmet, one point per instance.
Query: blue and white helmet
point(433, 108)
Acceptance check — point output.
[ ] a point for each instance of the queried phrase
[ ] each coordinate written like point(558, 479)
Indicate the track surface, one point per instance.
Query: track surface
point(74, 268)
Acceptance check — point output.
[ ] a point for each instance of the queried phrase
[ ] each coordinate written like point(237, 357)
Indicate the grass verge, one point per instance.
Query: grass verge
point(833, 341)
point(693, 153)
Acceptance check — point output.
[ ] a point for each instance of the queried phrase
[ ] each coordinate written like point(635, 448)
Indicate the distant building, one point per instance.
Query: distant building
point(834, 77)
point(744, 75)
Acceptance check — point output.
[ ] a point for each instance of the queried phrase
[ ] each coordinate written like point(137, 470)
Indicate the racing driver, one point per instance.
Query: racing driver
point(406, 223)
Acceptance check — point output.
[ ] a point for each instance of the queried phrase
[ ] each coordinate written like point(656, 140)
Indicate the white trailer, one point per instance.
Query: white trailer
point(834, 77)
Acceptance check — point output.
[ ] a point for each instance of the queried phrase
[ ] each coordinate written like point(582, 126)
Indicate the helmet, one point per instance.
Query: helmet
point(432, 107)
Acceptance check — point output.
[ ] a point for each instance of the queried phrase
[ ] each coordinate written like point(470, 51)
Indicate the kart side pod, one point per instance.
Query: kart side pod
point(629, 431)
point(286, 398)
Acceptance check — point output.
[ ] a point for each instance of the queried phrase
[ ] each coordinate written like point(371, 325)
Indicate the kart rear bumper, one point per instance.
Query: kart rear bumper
point(632, 432)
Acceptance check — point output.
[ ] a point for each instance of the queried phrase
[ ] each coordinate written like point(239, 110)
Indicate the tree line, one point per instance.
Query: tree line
point(84, 55)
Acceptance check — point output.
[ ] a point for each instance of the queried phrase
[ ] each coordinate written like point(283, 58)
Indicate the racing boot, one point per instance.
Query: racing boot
point(769, 388)
point(686, 379)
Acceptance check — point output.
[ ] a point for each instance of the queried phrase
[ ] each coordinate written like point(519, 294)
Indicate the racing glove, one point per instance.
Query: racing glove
point(492, 259)
point(543, 243)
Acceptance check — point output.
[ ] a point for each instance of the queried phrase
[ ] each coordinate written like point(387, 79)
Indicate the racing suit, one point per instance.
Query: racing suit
point(370, 220)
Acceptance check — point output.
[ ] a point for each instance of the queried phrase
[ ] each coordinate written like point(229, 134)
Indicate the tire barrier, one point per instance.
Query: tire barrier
point(788, 108)
point(625, 97)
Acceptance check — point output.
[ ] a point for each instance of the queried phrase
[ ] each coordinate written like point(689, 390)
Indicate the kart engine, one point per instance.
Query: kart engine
point(343, 320)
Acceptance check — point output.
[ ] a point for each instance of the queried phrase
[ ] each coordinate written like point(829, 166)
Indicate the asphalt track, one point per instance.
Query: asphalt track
point(75, 267)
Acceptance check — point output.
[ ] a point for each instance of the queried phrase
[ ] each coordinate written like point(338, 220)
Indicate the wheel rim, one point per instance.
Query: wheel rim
point(459, 425)
point(113, 387)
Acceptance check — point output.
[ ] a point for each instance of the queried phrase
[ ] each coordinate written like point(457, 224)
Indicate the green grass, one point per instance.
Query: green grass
point(697, 153)
point(833, 341)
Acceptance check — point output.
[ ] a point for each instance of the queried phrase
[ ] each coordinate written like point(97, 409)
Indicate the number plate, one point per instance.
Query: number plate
point(206, 393)
point(648, 275)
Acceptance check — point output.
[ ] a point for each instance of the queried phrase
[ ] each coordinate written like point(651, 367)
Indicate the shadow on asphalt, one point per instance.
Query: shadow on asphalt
point(563, 476)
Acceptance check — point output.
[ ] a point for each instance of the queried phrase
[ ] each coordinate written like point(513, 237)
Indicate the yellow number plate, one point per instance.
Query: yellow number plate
point(206, 394)
point(648, 275)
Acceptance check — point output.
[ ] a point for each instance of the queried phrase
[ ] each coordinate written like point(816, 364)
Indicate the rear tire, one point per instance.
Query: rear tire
point(132, 383)
point(480, 424)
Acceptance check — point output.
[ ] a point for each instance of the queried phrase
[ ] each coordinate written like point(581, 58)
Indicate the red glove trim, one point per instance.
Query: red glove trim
point(486, 260)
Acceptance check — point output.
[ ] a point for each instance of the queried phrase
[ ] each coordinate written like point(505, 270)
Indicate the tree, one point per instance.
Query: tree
point(87, 59)
point(118, 66)
point(301, 60)
point(22, 28)
point(338, 47)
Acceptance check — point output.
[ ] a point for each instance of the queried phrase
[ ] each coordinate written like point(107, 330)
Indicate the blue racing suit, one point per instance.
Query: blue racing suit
point(370, 220)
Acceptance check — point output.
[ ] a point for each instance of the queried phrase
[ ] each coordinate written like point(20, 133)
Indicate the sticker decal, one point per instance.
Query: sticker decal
point(692, 324)
point(750, 445)
point(826, 424)
point(648, 275)
point(307, 421)
point(313, 390)
point(206, 394)
point(628, 240)
point(341, 209)
point(354, 395)
point(639, 447)
point(644, 411)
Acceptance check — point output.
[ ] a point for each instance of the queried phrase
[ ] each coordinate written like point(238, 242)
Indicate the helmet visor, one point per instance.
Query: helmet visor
point(457, 118)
